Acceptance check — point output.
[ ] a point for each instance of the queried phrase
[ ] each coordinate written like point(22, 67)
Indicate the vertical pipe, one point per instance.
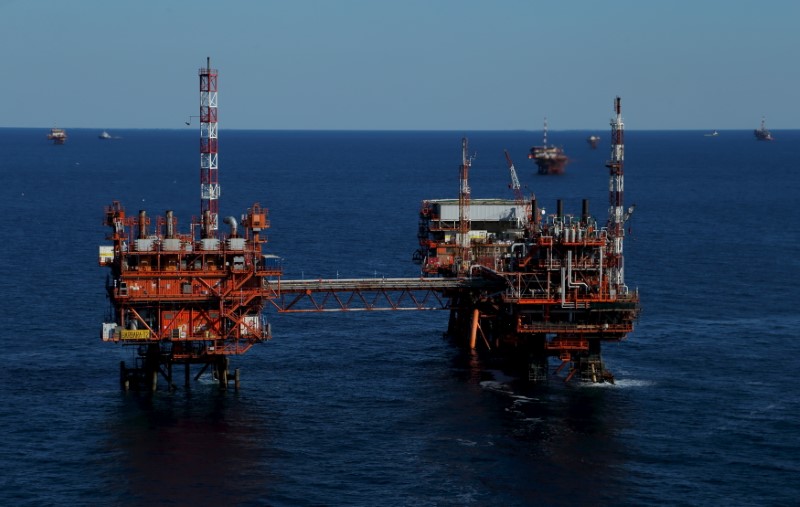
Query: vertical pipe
point(142, 224)
point(206, 224)
point(170, 225)
point(559, 208)
point(474, 333)
point(569, 268)
point(236, 379)
point(585, 212)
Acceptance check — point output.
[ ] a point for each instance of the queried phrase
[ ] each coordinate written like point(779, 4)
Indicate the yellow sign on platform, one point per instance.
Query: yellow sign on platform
point(135, 334)
point(106, 254)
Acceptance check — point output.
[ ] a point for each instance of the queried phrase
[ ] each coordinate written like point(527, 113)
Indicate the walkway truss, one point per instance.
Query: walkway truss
point(363, 294)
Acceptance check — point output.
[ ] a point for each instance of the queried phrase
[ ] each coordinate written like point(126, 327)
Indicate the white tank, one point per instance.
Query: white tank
point(209, 244)
point(236, 244)
point(171, 244)
point(144, 245)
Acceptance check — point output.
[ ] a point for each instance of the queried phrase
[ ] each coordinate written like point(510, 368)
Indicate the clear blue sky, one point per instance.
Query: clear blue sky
point(406, 64)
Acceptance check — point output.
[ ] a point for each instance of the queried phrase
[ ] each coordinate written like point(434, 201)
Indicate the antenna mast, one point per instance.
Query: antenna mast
point(544, 143)
point(464, 224)
point(616, 212)
point(209, 170)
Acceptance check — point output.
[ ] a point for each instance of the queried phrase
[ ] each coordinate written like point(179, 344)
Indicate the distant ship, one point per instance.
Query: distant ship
point(713, 134)
point(762, 134)
point(105, 135)
point(593, 140)
point(58, 136)
point(549, 159)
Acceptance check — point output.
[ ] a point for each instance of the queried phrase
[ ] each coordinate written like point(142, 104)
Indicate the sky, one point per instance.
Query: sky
point(402, 65)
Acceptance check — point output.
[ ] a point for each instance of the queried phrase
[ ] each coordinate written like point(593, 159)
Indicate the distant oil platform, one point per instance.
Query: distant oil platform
point(57, 135)
point(549, 159)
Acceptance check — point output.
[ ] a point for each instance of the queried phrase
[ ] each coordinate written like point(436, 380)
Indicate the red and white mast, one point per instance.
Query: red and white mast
point(616, 212)
point(464, 224)
point(209, 170)
point(544, 141)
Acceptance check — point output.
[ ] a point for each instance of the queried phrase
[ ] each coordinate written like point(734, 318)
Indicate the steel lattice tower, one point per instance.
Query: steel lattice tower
point(463, 208)
point(616, 212)
point(209, 170)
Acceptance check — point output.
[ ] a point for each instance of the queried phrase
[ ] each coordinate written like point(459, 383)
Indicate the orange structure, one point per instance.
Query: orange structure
point(530, 285)
point(188, 298)
point(185, 298)
point(555, 281)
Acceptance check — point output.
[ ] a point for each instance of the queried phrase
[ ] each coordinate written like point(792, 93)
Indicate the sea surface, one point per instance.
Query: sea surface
point(366, 409)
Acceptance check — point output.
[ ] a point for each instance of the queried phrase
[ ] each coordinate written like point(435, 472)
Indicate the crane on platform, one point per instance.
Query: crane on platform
point(519, 197)
point(514, 186)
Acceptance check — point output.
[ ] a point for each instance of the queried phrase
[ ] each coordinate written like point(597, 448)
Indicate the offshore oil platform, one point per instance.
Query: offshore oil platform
point(187, 298)
point(57, 135)
point(532, 286)
point(549, 159)
point(559, 280)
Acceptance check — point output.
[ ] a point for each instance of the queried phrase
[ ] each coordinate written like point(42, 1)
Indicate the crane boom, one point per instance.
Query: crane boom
point(519, 197)
point(515, 186)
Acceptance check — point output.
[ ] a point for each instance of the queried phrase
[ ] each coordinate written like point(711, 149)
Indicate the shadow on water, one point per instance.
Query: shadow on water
point(554, 443)
point(204, 447)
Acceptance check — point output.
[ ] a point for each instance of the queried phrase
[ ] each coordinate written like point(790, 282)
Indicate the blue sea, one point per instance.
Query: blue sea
point(365, 409)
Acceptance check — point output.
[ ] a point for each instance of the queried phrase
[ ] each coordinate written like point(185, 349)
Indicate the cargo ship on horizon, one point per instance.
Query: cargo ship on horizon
point(761, 133)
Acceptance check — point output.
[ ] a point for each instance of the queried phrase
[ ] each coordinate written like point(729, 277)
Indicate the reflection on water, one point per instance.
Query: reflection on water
point(552, 444)
point(206, 447)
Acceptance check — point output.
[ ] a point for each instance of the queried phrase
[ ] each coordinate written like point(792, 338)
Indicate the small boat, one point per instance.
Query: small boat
point(761, 133)
point(593, 140)
point(713, 134)
point(58, 136)
point(104, 135)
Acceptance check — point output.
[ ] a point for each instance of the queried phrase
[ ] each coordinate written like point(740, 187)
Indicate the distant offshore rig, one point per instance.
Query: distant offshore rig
point(548, 158)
